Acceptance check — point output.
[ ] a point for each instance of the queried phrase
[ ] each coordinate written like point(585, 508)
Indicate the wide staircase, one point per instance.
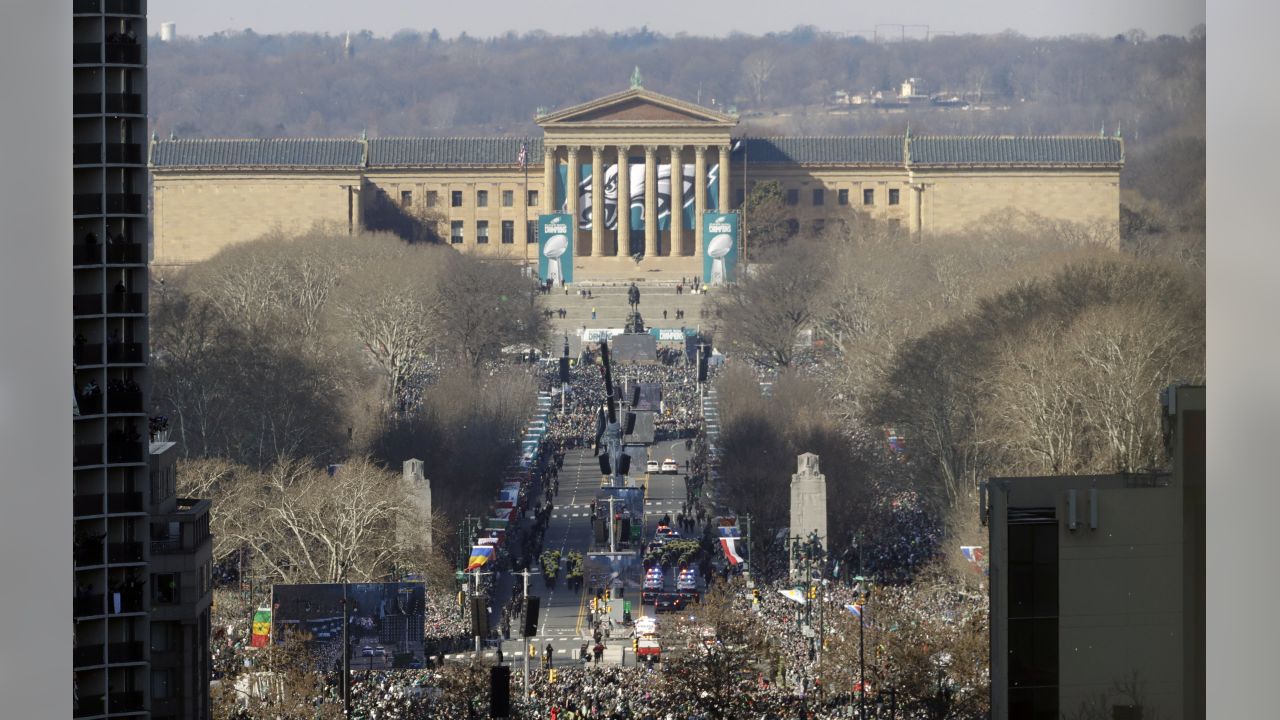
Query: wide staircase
point(610, 303)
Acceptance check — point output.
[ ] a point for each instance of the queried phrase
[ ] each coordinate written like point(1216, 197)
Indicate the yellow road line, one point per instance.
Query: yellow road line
point(582, 606)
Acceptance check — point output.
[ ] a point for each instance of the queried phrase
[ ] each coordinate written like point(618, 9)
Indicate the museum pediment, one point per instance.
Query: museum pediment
point(636, 106)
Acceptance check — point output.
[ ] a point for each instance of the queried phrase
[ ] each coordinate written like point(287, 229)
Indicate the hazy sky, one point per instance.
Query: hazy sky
point(484, 18)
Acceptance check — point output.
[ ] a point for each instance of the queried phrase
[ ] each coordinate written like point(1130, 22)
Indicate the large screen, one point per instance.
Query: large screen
point(385, 622)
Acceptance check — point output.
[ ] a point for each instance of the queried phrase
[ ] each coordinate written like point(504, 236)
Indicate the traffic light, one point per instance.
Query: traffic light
point(564, 370)
point(479, 616)
point(813, 592)
point(702, 363)
point(755, 594)
point(551, 675)
point(531, 604)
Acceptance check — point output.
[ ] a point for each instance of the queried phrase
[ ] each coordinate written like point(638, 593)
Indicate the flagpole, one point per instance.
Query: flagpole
point(524, 165)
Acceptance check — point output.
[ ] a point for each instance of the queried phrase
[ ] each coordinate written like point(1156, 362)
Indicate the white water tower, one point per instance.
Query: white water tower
point(168, 32)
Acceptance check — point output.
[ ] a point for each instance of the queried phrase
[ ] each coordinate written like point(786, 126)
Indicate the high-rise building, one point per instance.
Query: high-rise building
point(140, 565)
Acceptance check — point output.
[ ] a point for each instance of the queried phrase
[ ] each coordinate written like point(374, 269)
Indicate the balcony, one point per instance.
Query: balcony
point(86, 103)
point(86, 655)
point(90, 406)
point(125, 353)
point(124, 153)
point(86, 53)
point(123, 53)
point(126, 254)
point(86, 204)
point(124, 503)
point(123, 401)
point(125, 702)
point(86, 304)
point(87, 354)
point(123, 652)
point(124, 104)
point(86, 7)
point(130, 602)
point(124, 553)
point(88, 707)
point(124, 7)
point(124, 203)
point(85, 505)
point(88, 555)
point(86, 254)
point(87, 454)
point(124, 303)
point(86, 153)
point(88, 605)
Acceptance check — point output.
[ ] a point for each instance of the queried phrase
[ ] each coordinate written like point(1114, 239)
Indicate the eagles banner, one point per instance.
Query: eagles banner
point(720, 247)
point(555, 248)
point(635, 190)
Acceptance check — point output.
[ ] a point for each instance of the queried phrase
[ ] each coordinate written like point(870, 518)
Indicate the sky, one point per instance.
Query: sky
point(488, 18)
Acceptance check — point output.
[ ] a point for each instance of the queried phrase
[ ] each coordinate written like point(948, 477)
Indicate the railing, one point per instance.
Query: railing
point(86, 153)
point(86, 103)
point(124, 353)
point(87, 454)
point(124, 7)
point(167, 546)
point(86, 254)
point(127, 153)
point(86, 605)
point(79, 7)
point(126, 254)
point(90, 406)
point(125, 652)
point(124, 552)
point(88, 707)
point(123, 401)
point(123, 451)
point(125, 702)
point(86, 203)
point(87, 504)
point(86, 304)
point(129, 203)
point(85, 655)
point(87, 354)
point(130, 602)
point(124, 303)
point(124, 502)
point(86, 53)
point(125, 103)
point(90, 554)
point(124, 53)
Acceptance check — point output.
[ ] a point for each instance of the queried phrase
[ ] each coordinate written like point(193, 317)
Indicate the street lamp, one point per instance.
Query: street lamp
point(864, 593)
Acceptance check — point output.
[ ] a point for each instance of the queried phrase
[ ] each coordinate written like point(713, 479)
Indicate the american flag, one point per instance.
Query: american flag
point(523, 157)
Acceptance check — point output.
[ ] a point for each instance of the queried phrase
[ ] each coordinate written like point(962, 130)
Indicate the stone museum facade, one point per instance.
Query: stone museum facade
point(485, 194)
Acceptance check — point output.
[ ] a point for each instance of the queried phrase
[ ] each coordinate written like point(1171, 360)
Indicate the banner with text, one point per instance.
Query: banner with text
point(635, 191)
point(555, 248)
point(720, 247)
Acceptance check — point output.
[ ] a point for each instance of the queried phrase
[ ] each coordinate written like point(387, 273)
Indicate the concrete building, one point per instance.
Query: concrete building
point(1098, 585)
point(476, 195)
point(808, 503)
point(122, 607)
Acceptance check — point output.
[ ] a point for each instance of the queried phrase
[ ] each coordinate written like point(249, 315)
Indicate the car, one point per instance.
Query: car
point(652, 467)
point(366, 651)
point(670, 602)
point(670, 467)
point(380, 651)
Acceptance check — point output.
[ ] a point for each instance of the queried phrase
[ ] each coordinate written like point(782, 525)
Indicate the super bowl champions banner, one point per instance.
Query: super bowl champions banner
point(555, 248)
point(636, 191)
point(720, 247)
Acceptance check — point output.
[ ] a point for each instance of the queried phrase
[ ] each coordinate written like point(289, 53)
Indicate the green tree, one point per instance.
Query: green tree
point(765, 217)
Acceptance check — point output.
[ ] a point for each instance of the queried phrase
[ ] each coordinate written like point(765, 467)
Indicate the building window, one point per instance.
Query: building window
point(161, 682)
point(406, 198)
point(165, 590)
point(455, 198)
point(508, 232)
point(793, 227)
point(893, 196)
point(1033, 619)
point(868, 197)
point(455, 232)
point(819, 225)
point(531, 231)
point(793, 197)
point(532, 200)
point(508, 198)
point(433, 198)
point(842, 196)
point(818, 196)
point(482, 198)
point(482, 232)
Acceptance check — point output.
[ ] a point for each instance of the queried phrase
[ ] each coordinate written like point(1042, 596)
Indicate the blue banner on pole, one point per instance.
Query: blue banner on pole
point(720, 247)
point(555, 248)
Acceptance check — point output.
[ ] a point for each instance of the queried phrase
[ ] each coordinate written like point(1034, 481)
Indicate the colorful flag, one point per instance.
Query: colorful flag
point(729, 545)
point(480, 554)
point(523, 158)
point(261, 636)
point(856, 609)
point(793, 595)
point(972, 553)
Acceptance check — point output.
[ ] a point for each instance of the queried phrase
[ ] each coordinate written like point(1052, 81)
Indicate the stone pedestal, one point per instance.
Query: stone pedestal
point(808, 504)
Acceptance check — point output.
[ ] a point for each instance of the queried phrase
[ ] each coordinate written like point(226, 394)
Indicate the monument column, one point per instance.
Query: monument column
point(699, 197)
point(624, 203)
point(651, 201)
point(677, 202)
point(597, 201)
point(548, 179)
point(808, 504)
point(571, 194)
point(722, 203)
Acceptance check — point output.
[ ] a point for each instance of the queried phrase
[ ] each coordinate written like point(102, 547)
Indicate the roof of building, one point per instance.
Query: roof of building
point(418, 151)
point(269, 152)
point(889, 150)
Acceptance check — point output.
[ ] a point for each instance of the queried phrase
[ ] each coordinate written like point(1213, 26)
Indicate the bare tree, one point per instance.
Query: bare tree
point(762, 316)
point(758, 68)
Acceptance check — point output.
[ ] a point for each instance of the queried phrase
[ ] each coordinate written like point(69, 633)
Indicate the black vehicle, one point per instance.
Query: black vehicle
point(670, 602)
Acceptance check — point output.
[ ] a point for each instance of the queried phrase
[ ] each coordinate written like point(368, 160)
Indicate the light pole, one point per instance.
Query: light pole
point(525, 638)
point(864, 593)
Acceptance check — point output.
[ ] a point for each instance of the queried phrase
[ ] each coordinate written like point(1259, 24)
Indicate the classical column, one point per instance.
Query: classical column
point(597, 201)
point(677, 202)
point(699, 196)
point(722, 203)
point(548, 179)
point(624, 202)
point(571, 194)
point(651, 201)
